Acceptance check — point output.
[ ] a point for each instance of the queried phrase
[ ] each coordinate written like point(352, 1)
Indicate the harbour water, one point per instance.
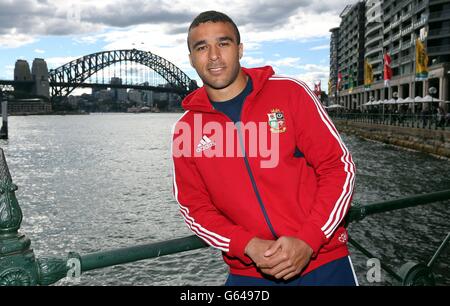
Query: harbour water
point(103, 181)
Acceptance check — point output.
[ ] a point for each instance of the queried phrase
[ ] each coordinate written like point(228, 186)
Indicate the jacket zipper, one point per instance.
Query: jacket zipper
point(249, 171)
point(252, 179)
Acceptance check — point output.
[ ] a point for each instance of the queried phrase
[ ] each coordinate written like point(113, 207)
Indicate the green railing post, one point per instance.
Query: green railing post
point(17, 262)
point(18, 265)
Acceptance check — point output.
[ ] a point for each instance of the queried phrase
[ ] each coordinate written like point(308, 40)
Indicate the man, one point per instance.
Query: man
point(276, 213)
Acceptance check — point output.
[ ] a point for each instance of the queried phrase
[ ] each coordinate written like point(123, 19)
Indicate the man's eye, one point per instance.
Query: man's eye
point(223, 44)
point(201, 48)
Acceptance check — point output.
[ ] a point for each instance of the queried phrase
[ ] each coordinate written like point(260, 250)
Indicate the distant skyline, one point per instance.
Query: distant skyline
point(291, 35)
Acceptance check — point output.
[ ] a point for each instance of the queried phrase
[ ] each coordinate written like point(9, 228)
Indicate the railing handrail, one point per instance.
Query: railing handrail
point(359, 212)
point(124, 255)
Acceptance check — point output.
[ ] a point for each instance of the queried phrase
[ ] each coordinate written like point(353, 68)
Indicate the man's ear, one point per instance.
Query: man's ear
point(241, 50)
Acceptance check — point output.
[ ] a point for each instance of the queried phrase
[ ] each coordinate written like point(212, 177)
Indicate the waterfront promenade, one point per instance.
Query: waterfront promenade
point(422, 133)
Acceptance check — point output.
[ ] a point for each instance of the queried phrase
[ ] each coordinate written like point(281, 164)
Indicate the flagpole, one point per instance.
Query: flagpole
point(337, 93)
point(414, 75)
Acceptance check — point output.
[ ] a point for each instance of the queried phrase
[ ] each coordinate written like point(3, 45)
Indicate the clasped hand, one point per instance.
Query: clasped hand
point(284, 258)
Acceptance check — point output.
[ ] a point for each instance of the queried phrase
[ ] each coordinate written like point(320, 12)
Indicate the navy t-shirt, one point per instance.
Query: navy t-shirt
point(232, 108)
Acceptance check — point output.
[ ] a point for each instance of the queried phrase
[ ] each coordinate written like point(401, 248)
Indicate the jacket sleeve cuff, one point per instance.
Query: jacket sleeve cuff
point(313, 236)
point(238, 242)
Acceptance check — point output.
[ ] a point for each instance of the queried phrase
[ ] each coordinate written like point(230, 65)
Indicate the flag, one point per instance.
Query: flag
point(421, 61)
point(350, 81)
point(368, 74)
point(387, 70)
point(317, 89)
point(339, 82)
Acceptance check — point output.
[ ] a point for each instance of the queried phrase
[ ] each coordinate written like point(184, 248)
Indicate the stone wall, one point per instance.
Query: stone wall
point(424, 140)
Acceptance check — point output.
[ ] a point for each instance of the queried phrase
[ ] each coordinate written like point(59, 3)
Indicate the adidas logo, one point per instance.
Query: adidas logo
point(205, 144)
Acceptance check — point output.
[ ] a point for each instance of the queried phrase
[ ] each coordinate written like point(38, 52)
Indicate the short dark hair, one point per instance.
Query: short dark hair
point(213, 16)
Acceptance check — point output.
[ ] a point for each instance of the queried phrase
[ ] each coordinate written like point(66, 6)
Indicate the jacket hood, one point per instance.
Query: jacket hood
point(198, 100)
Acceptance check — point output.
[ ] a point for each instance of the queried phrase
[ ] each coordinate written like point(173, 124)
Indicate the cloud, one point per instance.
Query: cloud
point(15, 40)
point(335, 6)
point(125, 13)
point(259, 20)
point(312, 73)
point(285, 62)
point(174, 30)
point(322, 47)
point(160, 26)
point(285, 66)
point(314, 67)
point(270, 13)
point(36, 18)
point(55, 62)
point(8, 72)
point(252, 61)
point(40, 51)
point(86, 40)
point(303, 26)
point(251, 47)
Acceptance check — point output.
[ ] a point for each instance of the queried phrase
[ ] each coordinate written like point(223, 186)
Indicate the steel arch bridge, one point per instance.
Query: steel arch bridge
point(63, 80)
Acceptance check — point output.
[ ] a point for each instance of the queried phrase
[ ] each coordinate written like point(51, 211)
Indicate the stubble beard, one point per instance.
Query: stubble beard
point(227, 83)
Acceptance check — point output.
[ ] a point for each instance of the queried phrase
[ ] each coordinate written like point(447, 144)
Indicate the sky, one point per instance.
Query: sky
point(290, 35)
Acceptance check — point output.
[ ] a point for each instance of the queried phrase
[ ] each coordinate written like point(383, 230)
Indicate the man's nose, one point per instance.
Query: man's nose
point(214, 53)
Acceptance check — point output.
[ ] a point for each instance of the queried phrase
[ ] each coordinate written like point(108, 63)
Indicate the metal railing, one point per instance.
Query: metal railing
point(406, 45)
point(423, 121)
point(19, 266)
point(410, 273)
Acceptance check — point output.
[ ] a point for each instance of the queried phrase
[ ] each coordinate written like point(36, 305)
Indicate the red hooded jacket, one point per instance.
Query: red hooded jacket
point(235, 182)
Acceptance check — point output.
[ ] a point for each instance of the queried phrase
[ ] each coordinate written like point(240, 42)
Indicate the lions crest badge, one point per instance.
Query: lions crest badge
point(276, 121)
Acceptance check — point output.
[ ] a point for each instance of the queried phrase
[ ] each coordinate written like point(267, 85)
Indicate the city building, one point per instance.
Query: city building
point(347, 50)
point(390, 26)
point(334, 65)
point(120, 94)
point(135, 96)
point(29, 107)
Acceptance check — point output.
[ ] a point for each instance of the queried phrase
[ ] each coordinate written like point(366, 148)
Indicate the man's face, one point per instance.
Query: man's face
point(215, 53)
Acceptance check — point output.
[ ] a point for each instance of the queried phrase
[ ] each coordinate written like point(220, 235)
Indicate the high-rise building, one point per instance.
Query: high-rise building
point(373, 44)
point(347, 43)
point(391, 26)
point(439, 31)
point(334, 64)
